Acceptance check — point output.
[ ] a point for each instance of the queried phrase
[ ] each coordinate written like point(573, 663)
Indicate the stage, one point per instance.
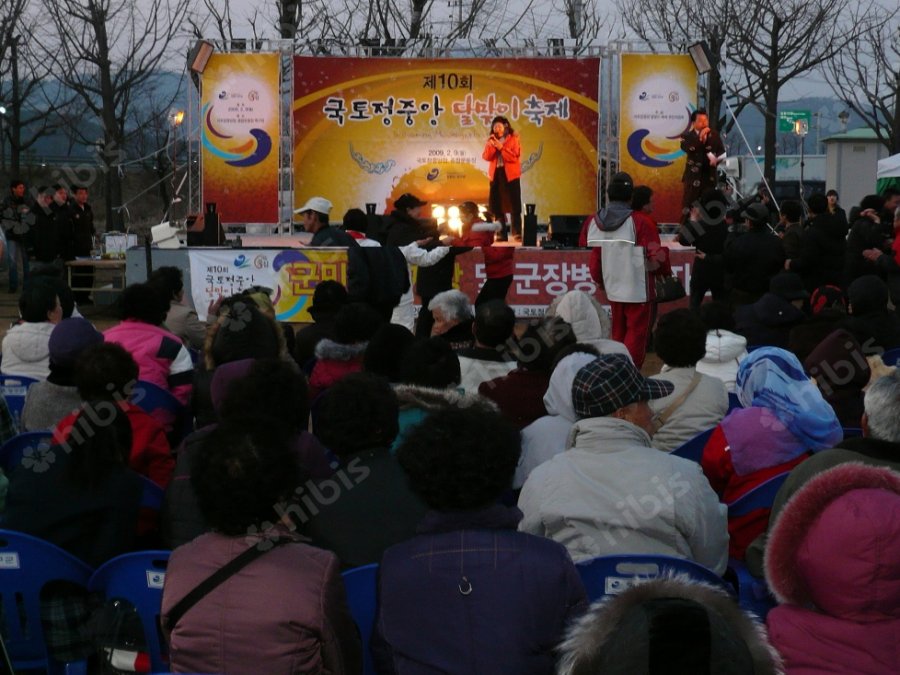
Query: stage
point(292, 271)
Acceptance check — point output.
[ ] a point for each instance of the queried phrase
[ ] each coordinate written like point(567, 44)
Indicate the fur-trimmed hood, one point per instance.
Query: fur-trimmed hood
point(658, 619)
point(836, 545)
point(336, 351)
point(432, 400)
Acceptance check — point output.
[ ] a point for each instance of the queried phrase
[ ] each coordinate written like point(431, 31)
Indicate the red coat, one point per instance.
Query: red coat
point(511, 152)
point(498, 260)
point(151, 455)
point(717, 465)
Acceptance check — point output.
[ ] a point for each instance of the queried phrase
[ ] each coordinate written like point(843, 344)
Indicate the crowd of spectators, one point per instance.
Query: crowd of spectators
point(479, 463)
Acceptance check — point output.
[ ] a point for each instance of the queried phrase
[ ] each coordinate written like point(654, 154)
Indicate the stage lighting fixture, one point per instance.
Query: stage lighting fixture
point(453, 212)
point(701, 57)
point(438, 211)
point(199, 56)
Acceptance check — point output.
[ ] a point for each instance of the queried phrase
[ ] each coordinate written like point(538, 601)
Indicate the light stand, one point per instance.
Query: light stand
point(801, 128)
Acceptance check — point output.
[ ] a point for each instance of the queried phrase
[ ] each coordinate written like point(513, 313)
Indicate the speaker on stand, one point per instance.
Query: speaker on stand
point(529, 227)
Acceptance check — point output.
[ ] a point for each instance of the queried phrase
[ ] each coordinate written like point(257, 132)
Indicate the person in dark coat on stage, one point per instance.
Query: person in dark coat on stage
point(705, 150)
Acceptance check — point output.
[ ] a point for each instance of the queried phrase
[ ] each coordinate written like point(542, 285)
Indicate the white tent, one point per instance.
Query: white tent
point(889, 167)
point(888, 173)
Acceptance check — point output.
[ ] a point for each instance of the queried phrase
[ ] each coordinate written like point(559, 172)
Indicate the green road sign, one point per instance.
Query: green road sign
point(787, 118)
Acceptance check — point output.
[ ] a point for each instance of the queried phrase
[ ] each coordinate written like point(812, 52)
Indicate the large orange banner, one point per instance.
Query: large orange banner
point(240, 131)
point(368, 130)
point(658, 93)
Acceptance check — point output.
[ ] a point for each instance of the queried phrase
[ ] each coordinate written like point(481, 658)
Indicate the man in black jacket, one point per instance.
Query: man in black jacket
point(822, 248)
point(16, 219)
point(753, 256)
point(48, 244)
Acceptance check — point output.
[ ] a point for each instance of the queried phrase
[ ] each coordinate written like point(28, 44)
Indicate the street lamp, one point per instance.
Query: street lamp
point(801, 128)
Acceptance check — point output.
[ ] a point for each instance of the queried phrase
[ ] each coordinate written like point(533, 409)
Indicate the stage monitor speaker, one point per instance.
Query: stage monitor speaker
point(212, 233)
point(565, 230)
point(529, 230)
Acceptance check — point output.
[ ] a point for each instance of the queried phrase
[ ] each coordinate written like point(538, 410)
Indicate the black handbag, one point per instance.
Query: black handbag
point(669, 289)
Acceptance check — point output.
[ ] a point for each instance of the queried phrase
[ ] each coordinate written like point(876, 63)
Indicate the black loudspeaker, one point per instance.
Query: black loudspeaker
point(529, 230)
point(564, 230)
point(213, 235)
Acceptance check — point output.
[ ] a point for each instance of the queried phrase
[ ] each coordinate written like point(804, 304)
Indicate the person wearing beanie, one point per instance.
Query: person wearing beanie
point(46, 403)
point(612, 492)
point(833, 563)
point(871, 322)
point(328, 297)
point(673, 625)
point(752, 256)
point(627, 256)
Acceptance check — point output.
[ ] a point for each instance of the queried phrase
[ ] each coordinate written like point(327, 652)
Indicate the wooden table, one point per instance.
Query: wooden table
point(88, 268)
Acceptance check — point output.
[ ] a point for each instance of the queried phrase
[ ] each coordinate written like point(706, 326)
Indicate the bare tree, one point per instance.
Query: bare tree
point(776, 41)
point(11, 17)
point(108, 52)
point(866, 76)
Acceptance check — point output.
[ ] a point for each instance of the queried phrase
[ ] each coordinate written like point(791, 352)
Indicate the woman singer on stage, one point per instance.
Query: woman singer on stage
point(502, 151)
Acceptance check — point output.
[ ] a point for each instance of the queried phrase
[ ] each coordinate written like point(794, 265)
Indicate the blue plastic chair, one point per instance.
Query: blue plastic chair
point(159, 403)
point(27, 564)
point(891, 357)
point(693, 448)
point(733, 401)
point(753, 593)
point(138, 578)
point(760, 497)
point(27, 444)
point(13, 389)
point(613, 574)
point(152, 497)
point(361, 584)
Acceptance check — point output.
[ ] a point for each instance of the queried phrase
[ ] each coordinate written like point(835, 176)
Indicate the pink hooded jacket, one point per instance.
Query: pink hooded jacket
point(161, 356)
point(833, 562)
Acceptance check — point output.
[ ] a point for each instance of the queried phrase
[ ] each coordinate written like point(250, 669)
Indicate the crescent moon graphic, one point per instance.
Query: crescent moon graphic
point(263, 148)
point(286, 258)
point(636, 150)
point(209, 124)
